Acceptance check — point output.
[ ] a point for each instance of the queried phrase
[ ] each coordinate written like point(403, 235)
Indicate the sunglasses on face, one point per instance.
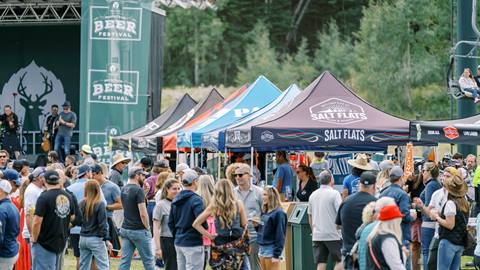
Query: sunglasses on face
point(299, 172)
point(239, 174)
point(3, 156)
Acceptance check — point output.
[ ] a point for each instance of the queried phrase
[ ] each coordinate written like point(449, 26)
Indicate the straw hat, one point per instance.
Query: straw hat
point(119, 158)
point(360, 162)
point(87, 149)
point(455, 186)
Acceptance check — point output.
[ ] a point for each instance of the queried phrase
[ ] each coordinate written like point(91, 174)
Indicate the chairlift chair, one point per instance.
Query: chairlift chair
point(453, 86)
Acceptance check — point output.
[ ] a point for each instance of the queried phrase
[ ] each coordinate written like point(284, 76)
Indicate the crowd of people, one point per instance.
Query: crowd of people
point(383, 218)
point(181, 219)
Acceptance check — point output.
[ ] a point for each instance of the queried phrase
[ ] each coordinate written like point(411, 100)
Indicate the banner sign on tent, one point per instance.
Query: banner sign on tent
point(120, 61)
point(338, 165)
point(409, 164)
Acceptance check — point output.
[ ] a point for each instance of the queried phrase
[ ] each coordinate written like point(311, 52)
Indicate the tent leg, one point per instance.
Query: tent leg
point(177, 157)
point(192, 157)
point(266, 168)
point(218, 165)
point(251, 165)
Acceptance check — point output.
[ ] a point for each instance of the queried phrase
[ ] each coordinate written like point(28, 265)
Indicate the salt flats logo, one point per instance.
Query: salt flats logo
point(267, 136)
point(337, 111)
point(115, 22)
point(113, 86)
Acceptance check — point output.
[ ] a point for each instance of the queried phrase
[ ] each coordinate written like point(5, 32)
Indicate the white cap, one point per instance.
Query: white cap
point(5, 186)
point(182, 167)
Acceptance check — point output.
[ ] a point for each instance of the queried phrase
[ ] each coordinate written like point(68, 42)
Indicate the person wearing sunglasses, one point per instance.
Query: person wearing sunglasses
point(251, 197)
point(3, 159)
point(308, 183)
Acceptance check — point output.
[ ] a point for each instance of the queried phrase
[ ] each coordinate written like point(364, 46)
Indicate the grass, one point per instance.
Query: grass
point(70, 263)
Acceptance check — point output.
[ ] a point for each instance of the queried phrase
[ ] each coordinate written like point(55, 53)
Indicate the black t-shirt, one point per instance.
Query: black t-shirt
point(350, 216)
point(131, 196)
point(56, 207)
point(308, 189)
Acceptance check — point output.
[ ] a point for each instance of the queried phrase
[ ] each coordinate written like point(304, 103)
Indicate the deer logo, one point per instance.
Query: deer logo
point(34, 107)
point(36, 89)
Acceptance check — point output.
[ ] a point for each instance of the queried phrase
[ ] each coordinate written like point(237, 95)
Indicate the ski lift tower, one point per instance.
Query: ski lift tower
point(466, 31)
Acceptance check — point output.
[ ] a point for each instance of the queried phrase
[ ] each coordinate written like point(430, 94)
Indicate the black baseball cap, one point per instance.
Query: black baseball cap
point(51, 177)
point(368, 178)
point(97, 169)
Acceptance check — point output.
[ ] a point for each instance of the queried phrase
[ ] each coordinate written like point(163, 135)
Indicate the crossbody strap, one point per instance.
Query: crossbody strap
point(372, 255)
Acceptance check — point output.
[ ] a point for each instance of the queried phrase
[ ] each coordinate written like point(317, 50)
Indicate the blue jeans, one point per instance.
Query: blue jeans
point(474, 91)
point(427, 236)
point(65, 139)
point(140, 239)
point(150, 207)
point(43, 259)
point(408, 264)
point(93, 246)
point(449, 255)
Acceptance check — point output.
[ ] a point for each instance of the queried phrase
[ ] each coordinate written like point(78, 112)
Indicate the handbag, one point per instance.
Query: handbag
point(230, 256)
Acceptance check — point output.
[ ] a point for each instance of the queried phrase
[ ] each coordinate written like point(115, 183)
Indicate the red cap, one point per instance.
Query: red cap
point(389, 212)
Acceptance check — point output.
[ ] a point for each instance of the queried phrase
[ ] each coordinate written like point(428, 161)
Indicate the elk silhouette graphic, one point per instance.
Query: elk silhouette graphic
point(33, 108)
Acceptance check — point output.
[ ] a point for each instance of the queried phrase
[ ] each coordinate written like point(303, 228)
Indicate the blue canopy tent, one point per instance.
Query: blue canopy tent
point(239, 132)
point(258, 94)
point(329, 116)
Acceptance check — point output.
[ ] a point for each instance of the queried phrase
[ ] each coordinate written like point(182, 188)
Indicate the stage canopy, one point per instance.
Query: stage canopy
point(329, 116)
point(239, 132)
point(169, 141)
point(464, 131)
point(134, 140)
point(259, 94)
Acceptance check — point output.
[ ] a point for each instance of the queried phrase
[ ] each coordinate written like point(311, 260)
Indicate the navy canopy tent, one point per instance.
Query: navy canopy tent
point(329, 116)
point(465, 131)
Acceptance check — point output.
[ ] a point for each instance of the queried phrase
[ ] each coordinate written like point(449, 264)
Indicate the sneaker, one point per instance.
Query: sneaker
point(477, 100)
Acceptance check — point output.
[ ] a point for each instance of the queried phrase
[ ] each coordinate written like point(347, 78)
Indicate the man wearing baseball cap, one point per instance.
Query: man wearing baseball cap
point(403, 201)
point(350, 214)
point(180, 170)
point(32, 192)
point(135, 231)
point(13, 177)
point(186, 207)
point(9, 228)
point(67, 121)
point(55, 209)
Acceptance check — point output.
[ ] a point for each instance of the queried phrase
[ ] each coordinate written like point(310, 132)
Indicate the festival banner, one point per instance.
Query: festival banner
point(120, 62)
point(409, 162)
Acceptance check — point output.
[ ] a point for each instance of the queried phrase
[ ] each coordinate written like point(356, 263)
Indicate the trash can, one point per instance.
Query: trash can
point(302, 249)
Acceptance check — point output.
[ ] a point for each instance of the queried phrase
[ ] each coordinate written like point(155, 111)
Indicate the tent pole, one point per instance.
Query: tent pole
point(192, 156)
point(218, 165)
point(177, 158)
point(266, 168)
point(251, 165)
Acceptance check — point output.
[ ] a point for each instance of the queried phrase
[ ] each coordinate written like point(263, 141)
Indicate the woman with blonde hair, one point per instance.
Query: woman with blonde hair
point(230, 172)
point(383, 177)
point(272, 230)
point(230, 219)
point(385, 241)
point(206, 191)
point(468, 84)
point(94, 231)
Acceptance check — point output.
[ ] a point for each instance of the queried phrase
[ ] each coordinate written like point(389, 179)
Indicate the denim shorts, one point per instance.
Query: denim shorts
point(265, 251)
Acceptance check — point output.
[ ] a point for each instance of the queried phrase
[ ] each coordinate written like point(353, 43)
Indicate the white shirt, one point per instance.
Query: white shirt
point(323, 206)
point(30, 200)
point(438, 200)
point(467, 83)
